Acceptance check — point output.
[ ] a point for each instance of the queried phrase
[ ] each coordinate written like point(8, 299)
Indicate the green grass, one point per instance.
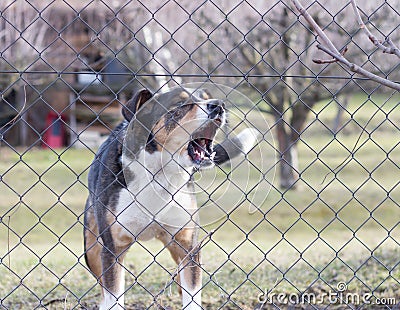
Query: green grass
point(343, 228)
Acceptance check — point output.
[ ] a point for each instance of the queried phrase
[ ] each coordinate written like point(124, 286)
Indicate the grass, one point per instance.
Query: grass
point(345, 228)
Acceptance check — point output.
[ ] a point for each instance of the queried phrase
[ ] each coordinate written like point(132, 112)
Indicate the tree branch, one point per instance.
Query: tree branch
point(392, 49)
point(329, 61)
point(329, 48)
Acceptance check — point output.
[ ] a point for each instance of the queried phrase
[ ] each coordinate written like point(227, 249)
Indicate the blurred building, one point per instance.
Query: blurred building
point(58, 73)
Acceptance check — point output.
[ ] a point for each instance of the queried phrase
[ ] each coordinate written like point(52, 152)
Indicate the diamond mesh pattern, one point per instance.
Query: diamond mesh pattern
point(317, 223)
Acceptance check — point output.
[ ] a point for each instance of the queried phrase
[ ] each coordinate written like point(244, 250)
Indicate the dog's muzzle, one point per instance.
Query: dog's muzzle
point(216, 110)
point(200, 147)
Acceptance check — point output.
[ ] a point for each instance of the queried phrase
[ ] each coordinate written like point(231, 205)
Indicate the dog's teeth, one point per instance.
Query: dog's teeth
point(213, 155)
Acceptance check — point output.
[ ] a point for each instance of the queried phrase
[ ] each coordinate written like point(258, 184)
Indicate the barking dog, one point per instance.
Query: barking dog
point(155, 199)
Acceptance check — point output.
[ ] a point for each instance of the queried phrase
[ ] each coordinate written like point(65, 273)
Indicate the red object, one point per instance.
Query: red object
point(54, 131)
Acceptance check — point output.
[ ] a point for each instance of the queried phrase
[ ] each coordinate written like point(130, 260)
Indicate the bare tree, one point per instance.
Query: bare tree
point(328, 47)
point(269, 59)
point(275, 54)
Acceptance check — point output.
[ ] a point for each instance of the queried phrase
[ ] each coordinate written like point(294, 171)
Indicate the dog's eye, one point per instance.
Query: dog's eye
point(177, 114)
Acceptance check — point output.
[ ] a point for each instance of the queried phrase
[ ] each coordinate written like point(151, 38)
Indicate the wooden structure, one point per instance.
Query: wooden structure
point(83, 106)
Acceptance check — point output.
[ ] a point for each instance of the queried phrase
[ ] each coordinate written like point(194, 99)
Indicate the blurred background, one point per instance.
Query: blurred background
point(319, 202)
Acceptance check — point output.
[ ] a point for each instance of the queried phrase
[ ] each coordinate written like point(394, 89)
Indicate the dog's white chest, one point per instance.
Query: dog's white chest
point(155, 197)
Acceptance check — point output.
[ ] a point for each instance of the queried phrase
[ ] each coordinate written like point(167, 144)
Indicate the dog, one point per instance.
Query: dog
point(150, 194)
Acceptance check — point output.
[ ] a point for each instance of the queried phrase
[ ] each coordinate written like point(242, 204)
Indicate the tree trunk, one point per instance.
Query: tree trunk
point(338, 119)
point(288, 157)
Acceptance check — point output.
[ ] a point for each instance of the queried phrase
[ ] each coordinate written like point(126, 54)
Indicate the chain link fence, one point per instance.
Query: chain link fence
point(307, 217)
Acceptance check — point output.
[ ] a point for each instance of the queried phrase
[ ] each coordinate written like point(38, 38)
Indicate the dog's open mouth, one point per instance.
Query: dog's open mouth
point(200, 148)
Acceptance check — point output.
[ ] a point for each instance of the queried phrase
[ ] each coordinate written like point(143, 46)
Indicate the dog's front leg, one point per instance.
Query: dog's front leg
point(190, 281)
point(186, 253)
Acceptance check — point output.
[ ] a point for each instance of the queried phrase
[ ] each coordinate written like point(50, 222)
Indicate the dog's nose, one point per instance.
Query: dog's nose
point(216, 108)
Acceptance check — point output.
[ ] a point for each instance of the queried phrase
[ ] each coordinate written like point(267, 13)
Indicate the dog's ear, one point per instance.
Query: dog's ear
point(134, 104)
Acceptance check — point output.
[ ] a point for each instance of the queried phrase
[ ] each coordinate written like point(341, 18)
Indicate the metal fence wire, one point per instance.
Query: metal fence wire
point(301, 209)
